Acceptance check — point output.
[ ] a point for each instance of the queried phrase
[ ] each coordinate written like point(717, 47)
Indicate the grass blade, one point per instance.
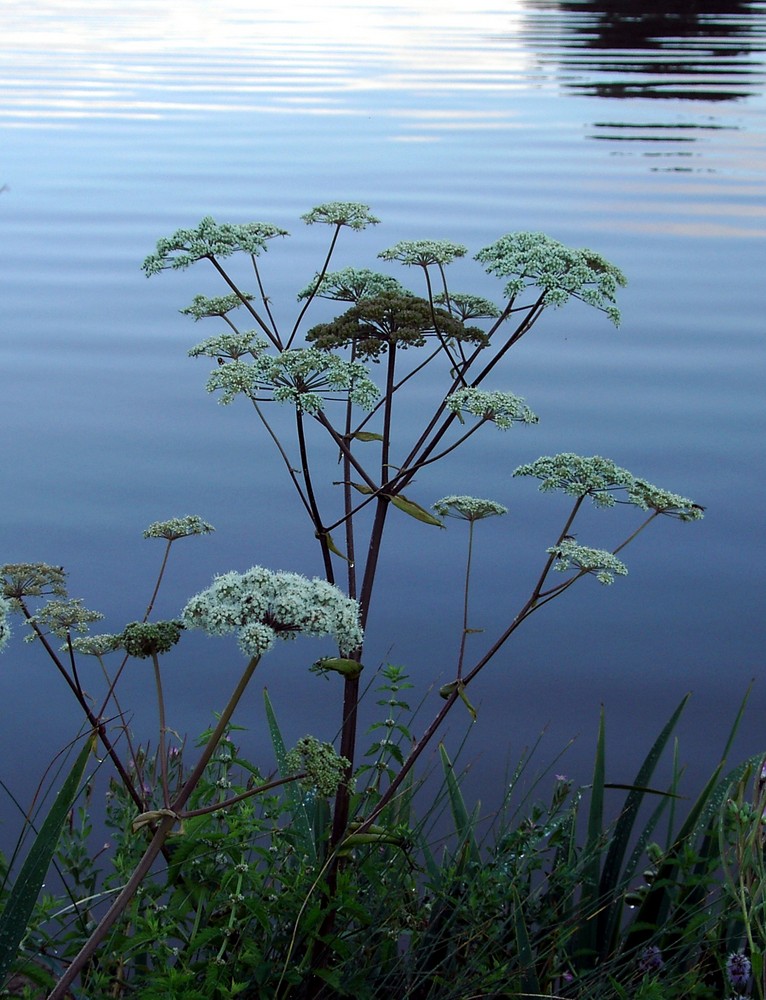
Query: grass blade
point(26, 889)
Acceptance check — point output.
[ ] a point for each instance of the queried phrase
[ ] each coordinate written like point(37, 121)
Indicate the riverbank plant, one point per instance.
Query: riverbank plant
point(317, 878)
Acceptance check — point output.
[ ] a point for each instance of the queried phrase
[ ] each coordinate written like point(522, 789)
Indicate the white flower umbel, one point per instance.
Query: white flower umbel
point(96, 645)
point(209, 240)
point(570, 554)
point(62, 618)
point(467, 307)
point(352, 284)
point(502, 408)
point(230, 345)
point(179, 527)
point(423, 253)
point(468, 508)
point(203, 307)
point(262, 606)
point(649, 497)
point(605, 483)
point(5, 625)
point(560, 272)
point(305, 376)
point(353, 214)
point(577, 475)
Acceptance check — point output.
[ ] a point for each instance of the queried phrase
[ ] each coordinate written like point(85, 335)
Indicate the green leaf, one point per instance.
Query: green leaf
point(464, 823)
point(294, 797)
point(367, 436)
point(331, 545)
point(612, 880)
point(362, 488)
point(26, 889)
point(414, 510)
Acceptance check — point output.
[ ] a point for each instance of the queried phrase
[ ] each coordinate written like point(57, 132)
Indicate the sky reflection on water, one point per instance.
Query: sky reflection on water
point(121, 122)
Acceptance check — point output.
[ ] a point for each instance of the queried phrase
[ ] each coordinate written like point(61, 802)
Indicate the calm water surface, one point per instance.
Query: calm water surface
point(642, 137)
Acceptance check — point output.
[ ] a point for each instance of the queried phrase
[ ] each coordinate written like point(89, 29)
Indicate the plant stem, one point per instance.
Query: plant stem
point(164, 826)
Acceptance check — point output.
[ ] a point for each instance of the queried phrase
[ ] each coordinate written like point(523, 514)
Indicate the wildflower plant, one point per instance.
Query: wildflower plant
point(349, 380)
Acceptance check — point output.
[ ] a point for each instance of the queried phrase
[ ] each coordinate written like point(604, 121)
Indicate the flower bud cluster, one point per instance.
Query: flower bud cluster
point(261, 606)
point(203, 306)
point(144, 639)
point(304, 377)
point(423, 253)
point(352, 284)
point(604, 482)
point(179, 527)
point(502, 408)
point(353, 214)
point(208, 240)
point(325, 769)
point(468, 508)
point(558, 271)
point(603, 564)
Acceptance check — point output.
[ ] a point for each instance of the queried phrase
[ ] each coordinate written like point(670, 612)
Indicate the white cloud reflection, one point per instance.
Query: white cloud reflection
point(62, 60)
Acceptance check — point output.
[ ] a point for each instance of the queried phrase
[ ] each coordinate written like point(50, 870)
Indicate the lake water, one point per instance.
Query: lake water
point(642, 137)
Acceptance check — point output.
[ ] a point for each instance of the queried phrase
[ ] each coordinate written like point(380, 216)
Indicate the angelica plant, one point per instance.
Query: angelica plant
point(349, 376)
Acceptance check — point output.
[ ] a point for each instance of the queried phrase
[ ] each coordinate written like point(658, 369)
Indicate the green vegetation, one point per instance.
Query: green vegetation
point(344, 873)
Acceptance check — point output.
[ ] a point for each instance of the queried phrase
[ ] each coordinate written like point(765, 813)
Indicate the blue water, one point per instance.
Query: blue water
point(647, 142)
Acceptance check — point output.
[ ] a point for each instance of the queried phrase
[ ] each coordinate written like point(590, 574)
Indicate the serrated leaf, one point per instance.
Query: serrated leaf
point(414, 510)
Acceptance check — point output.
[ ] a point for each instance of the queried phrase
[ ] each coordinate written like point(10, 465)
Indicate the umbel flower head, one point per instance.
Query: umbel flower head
point(466, 306)
point(604, 565)
point(423, 253)
point(606, 483)
point(305, 377)
point(179, 527)
point(372, 325)
point(262, 606)
point(534, 260)
point(209, 240)
point(352, 284)
point(502, 408)
point(203, 307)
point(5, 625)
point(325, 769)
point(61, 618)
point(144, 639)
point(341, 213)
point(230, 345)
point(21, 580)
point(468, 508)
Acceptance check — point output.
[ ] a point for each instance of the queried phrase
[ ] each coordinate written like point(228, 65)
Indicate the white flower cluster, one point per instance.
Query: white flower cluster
point(649, 497)
point(341, 213)
point(603, 564)
point(230, 345)
point(63, 617)
point(203, 307)
point(352, 284)
point(466, 306)
point(468, 508)
point(5, 625)
point(424, 252)
point(209, 239)
point(534, 259)
point(502, 408)
point(603, 481)
point(303, 376)
point(96, 645)
point(262, 606)
point(179, 527)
